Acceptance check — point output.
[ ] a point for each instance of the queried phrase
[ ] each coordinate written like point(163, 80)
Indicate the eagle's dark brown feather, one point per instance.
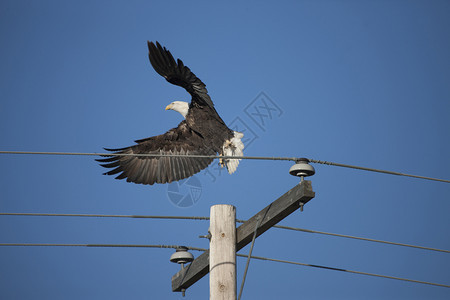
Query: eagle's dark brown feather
point(149, 170)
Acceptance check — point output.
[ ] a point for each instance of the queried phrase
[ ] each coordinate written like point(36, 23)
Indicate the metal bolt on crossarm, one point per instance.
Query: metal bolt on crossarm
point(302, 169)
point(182, 256)
point(207, 236)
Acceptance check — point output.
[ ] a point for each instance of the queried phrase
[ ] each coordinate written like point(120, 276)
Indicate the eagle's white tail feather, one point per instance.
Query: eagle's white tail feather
point(234, 147)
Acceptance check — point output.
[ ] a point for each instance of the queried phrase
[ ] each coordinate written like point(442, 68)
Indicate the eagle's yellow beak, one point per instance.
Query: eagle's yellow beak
point(169, 106)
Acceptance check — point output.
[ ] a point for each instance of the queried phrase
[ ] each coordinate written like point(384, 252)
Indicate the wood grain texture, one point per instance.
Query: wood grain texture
point(222, 257)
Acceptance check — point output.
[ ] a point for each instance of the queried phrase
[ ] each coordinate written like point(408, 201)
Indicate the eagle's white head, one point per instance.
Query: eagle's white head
point(179, 106)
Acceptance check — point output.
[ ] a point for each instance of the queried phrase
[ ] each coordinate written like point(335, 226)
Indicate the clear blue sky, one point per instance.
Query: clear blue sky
point(356, 82)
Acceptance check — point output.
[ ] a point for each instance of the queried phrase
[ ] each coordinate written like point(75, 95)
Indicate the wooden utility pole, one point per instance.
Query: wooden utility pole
point(222, 259)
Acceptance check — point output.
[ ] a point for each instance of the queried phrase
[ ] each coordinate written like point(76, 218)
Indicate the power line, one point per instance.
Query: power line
point(376, 170)
point(361, 238)
point(344, 270)
point(237, 254)
point(248, 259)
point(149, 155)
point(295, 159)
point(92, 245)
point(237, 220)
point(104, 216)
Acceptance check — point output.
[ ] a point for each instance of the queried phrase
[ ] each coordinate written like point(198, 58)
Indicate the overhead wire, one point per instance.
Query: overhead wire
point(149, 155)
point(104, 216)
point(375, 170)
point(238, 254)
point(237, 220)
point(295, 159)
point(248, 258)
point(361, 238)
point(345, 270)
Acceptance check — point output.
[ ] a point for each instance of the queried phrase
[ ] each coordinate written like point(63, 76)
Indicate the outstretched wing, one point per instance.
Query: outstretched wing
point(177, 73)
point(149, 170)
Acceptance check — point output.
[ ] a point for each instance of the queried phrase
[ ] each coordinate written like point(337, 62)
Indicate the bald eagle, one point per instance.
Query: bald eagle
point(202, 132)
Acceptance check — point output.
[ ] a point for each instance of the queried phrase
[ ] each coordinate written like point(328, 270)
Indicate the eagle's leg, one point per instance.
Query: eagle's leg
point(221, 161)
